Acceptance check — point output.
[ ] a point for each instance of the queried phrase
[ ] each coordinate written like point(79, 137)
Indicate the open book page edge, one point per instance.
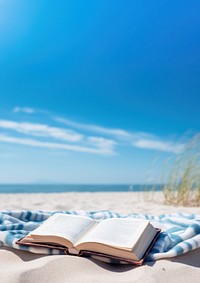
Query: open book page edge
point(99, 256)
point(58, 240)
point(120, 260)
point(44, 245)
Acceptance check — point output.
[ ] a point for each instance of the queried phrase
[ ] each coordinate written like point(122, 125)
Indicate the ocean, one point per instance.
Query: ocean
point(44, 188)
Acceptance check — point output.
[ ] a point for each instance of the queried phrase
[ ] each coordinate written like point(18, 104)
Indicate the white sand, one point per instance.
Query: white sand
point(24, 267)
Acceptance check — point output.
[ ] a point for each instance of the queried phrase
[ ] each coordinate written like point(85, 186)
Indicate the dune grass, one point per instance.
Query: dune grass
point(182, 186)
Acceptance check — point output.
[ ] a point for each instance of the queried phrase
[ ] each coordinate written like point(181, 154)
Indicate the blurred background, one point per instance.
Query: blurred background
point(93, 92)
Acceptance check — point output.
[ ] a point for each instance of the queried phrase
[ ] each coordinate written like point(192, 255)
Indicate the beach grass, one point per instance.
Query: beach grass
point(183, 181)
point(178, 175)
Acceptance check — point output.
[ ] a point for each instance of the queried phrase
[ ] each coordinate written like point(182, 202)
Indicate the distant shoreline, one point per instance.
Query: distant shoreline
point(62, 188)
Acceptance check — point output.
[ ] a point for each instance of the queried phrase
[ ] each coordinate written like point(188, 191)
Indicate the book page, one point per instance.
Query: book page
point(117, 232)
point(70, 227)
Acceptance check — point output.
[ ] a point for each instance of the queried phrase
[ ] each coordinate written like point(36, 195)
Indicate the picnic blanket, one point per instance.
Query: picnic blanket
point(180, 231)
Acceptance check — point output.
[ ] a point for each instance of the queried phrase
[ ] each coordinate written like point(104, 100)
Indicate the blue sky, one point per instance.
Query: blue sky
point(95, 91)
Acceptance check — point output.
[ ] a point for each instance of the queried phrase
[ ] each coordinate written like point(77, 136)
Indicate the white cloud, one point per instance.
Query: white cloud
point(101, 142)
point(137, 139)
point(93, 128)
point(86, 141)
point(52, 145)
point(27, 110)
point(159, 145)
point(41, 130)
point(98, 145)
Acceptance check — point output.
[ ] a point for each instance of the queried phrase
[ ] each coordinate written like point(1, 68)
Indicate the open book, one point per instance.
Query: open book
point(125, 239)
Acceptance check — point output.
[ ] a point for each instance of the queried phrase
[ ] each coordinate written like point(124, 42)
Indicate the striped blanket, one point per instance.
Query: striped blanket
point(180, 232)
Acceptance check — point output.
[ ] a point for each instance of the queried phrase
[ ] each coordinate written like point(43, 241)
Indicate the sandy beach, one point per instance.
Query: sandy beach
point(20, 266)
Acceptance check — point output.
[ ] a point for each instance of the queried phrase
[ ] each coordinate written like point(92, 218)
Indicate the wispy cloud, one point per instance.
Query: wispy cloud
point(83, 143)
point(93, 138)
point(159, 145)
point(41, 130)
point(26, 110)
point(101, 142)
point(53, 145)
point(93, 128)
point(140, 140)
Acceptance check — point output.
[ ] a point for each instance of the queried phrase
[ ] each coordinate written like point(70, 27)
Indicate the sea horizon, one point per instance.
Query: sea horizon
point(61, 188)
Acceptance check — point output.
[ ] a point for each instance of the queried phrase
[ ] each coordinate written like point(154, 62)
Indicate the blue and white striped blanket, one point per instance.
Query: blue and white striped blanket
point(180, 232)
